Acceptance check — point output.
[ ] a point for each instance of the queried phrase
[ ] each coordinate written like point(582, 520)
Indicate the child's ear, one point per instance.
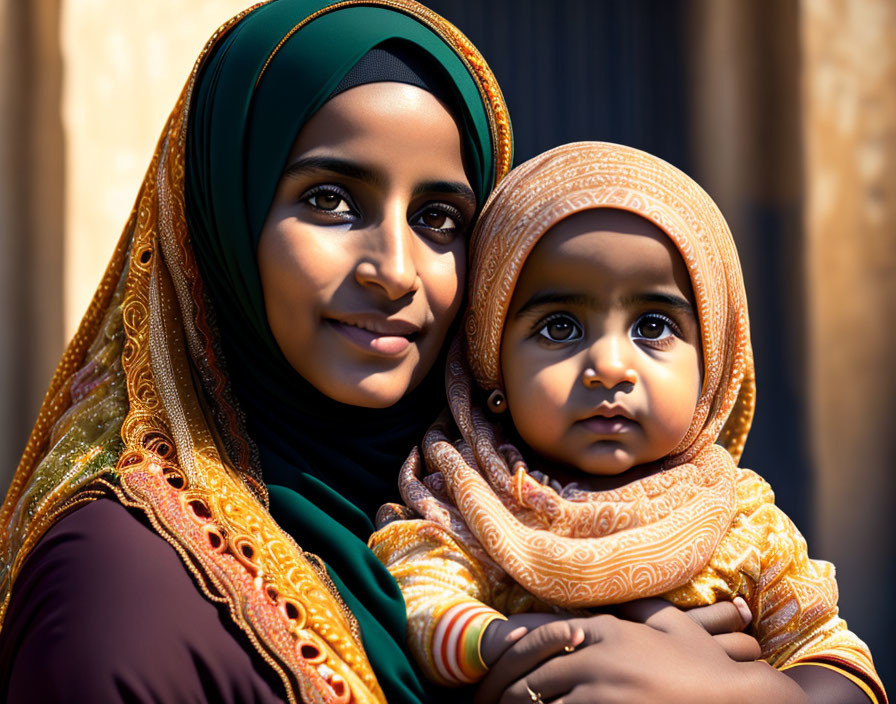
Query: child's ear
point(497, 403)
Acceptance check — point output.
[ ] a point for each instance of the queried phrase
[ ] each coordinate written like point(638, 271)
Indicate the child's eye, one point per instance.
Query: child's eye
point(329, 199)
point(441, 222)
point(561, 328)
point(654, 328)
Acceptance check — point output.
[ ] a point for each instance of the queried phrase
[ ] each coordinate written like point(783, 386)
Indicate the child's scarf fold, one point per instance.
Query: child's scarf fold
point(567, 546)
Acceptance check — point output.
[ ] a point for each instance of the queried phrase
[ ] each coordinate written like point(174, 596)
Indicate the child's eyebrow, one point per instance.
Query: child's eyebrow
point(547, 298)
point(665, 299)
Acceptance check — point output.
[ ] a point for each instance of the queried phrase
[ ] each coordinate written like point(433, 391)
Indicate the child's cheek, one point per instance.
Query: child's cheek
point(674, 395)
point(539, 405)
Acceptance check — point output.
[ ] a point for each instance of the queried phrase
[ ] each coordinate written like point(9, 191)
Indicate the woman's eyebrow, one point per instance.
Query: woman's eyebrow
point(446, 187)
point(668, 300)
point(342, 167)
point(352, 170)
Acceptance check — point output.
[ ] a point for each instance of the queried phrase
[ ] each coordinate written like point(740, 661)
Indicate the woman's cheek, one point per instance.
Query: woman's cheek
point(444, 283)
point(303, 259)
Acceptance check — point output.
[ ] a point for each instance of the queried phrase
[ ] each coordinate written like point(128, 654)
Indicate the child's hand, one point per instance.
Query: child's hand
point(500, 634)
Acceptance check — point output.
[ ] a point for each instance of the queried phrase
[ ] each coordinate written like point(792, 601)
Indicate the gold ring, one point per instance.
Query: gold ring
point(568, 648)
point(534, 696)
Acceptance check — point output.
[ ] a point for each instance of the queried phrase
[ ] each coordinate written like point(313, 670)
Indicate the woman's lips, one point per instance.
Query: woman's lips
point(388, 339)
point(612, 425)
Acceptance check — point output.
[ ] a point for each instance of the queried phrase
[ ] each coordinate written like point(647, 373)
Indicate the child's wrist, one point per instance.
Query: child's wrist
point(457, 639)
point(476, 641)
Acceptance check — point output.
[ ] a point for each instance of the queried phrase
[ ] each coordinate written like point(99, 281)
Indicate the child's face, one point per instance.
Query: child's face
point(601, 349)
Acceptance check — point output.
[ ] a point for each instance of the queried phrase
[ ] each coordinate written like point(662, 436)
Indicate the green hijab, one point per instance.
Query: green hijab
point(327, 465)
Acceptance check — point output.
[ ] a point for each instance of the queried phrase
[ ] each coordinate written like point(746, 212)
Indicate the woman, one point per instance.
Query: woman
point(190, 371)
point(276, 303)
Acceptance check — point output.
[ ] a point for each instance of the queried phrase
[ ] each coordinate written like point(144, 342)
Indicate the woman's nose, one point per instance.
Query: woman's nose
point(607, 364)
point(389, 265)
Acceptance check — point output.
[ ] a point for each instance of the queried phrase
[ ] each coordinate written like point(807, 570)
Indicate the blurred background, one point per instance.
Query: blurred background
point(784, 110)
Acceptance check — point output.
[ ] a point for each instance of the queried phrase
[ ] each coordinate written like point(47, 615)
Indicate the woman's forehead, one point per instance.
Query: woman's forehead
point(376, 127)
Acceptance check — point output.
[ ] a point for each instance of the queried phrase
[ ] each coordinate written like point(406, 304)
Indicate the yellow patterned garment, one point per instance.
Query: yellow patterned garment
point(480, 526)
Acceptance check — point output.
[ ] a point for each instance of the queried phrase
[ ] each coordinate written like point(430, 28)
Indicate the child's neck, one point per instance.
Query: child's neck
point(591, 482)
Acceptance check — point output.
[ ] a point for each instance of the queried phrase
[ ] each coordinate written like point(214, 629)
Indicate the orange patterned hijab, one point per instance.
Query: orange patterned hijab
point(568, 546)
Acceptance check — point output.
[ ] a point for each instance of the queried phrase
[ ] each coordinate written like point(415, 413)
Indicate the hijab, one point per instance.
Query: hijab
point(567, 546)
point(327, 465)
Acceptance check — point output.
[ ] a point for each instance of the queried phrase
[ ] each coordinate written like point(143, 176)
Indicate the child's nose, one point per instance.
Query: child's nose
point(607, 366)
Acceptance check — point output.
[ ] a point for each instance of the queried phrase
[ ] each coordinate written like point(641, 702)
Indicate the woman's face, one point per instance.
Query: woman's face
point(362, 253)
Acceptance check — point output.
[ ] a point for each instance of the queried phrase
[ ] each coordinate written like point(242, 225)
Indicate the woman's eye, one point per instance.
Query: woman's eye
point(442, 223)
point(437, 220)
point(561, 329)
point(653, 327)
point(328, 200)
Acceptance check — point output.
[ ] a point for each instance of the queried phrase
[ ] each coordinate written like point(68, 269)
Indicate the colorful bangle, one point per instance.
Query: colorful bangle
point(456, 640)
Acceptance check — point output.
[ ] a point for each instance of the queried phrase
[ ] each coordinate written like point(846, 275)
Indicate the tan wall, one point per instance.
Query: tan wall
point(794, 109)
point(85, 88)
point(125, 64)
point(745, 129)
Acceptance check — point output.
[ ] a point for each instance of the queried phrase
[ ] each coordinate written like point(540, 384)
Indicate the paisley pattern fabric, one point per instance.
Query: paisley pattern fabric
point(485, 527)
point(140, 408)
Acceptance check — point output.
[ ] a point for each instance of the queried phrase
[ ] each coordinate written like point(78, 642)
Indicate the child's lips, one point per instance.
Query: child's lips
point(609, 425)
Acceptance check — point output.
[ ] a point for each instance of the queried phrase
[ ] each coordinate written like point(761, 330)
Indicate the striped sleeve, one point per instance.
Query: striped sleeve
point(448, 595)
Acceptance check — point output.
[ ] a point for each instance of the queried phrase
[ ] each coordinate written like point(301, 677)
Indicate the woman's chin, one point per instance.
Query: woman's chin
point(375, 391)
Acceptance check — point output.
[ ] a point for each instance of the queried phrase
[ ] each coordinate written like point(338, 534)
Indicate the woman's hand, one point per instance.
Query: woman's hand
point(668, 655)
point(725, 621)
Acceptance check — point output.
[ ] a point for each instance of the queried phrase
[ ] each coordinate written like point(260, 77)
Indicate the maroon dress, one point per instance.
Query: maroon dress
point(104, 610)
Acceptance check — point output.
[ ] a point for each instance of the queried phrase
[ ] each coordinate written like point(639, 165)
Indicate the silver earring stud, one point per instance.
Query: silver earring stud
point(496, 402)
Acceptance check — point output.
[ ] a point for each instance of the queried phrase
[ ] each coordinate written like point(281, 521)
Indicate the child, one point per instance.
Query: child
point(608, 318)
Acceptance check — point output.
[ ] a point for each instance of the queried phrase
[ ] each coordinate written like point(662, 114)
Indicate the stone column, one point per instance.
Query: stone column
point(32, 165)
point(743, 96)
